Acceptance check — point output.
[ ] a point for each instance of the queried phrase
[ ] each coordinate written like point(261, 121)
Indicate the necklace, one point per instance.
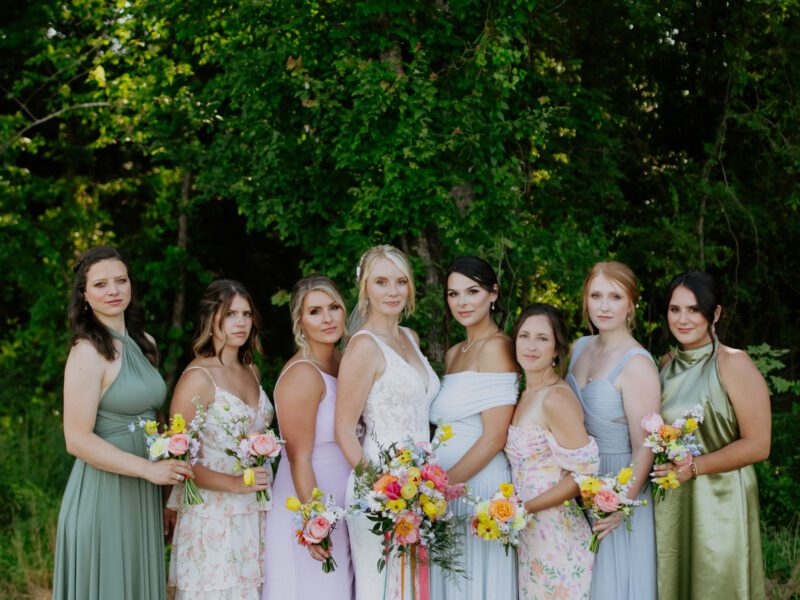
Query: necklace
point(465, 346)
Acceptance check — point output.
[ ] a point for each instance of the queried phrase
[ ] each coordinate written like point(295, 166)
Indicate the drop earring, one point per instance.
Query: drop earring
point(553, 364)
point(491, 306)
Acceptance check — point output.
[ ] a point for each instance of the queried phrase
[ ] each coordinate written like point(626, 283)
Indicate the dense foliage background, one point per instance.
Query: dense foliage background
point(263, 140)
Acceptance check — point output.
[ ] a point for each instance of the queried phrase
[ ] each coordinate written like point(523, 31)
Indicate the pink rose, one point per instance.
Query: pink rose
point(392, 490)
point(652, 422)
point(435, 474)
point(317, 529)
point(607, 501)
point(406, 529)
point(264, 444)
point(178, 444)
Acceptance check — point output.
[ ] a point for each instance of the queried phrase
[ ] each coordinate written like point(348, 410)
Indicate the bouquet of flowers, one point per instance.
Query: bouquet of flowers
point(406, 495)
point(315, 522)
point(606, 495)
point(501, 518)
point(250, 448)
point(672, 443)
point(179, 442)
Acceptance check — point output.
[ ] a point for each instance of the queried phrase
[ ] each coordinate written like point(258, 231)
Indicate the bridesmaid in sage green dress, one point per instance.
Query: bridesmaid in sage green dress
point(110, 538)
point(707, 530)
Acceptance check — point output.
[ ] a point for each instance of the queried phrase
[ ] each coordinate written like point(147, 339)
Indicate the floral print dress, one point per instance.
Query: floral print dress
point(218, 546)
point(554, 556)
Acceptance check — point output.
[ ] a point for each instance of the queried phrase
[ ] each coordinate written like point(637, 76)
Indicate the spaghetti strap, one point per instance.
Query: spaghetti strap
point(204, 371)
point(251, 366)
point(297, 362)
point(577, 348)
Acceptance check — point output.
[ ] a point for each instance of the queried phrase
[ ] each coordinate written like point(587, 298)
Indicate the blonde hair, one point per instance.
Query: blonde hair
point(301, 289)
point(365, 266)
point(622, 275)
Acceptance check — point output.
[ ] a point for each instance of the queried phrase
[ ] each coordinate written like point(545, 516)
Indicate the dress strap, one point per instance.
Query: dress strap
point(297, 362)
point(612, 376)
point(577, 348)
point(206, 372)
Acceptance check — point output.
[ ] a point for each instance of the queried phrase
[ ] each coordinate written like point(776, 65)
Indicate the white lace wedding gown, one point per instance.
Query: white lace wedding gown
point(396, 409)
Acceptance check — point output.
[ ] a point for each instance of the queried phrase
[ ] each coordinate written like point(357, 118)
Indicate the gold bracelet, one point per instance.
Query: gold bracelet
point(694, 470)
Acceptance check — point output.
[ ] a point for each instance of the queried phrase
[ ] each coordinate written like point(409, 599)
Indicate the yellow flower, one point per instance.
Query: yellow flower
point(441, 507)
point(445, 432)
point(430, 509)
point(178, 423)
point(414, 475)
point(408, 491)
point(316, 493)
point(396, 505)
point(423, 498)
point(405, 457)
point(293, 504)
point(690, 425)
point(249, 477)
point(483, 517)
point(624, 475)
point(590, 486)
point(318, 506)
point(151, 428)
point(507, 489)
point(430, 485)
point(488, 530)
point(668, 482)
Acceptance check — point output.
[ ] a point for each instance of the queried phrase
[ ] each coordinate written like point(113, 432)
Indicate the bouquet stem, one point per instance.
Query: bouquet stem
point(328, 565)
point(191, 495)
point(594, 545)
point(262, 496)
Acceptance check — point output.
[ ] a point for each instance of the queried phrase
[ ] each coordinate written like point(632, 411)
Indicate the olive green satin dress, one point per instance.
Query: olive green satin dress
point(110, 538)
point(707, 530)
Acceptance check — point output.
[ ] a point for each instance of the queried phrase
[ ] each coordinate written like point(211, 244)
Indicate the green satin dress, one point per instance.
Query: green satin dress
point(110, 539)
point(707, 530)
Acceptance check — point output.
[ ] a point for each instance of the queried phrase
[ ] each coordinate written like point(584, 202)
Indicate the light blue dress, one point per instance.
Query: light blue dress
point(462, 399)
point(625, 567)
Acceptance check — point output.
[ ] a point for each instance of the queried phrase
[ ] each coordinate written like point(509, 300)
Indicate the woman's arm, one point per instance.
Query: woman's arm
point(83, 378)
point(749, 397)
point(362, 364)
point(564, 418)
point(495, 357)
point(196, 384)
point(297, 396)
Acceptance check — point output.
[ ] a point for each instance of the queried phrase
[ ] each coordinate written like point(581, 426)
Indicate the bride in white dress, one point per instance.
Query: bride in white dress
point(385, 381)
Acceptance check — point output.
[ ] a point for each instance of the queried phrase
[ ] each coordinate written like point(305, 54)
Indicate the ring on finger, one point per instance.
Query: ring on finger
point(178, 477)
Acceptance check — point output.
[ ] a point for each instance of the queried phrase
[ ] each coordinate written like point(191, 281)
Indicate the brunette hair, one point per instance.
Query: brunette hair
point(620, 274)
point(704, 288)
point(216, 301)
point(365, 266)
point(306, 285)
point(479, 271)
point(557, 324)
point(83, 321)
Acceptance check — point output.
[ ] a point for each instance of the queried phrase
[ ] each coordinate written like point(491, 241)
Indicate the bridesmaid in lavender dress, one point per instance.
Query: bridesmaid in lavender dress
point(305, 398)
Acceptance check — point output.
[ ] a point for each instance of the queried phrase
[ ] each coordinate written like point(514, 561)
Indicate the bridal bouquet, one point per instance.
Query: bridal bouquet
point(606, 495)
point(250, 448)
point(672, 443)
point(502, 517)
point(406, 495)
point(315, 521)
point(176, 441)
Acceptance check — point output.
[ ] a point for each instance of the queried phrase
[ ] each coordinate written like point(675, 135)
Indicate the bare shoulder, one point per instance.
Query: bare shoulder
point(84, 358)
point(300, 379)
point(451, 355)
point(641, 365)
point(195, 381)
point(496, 354)
point(664, 360)
point(413, 334)
point(559, 400)
point(360, 346)
point(735, 364)
point(255, 370)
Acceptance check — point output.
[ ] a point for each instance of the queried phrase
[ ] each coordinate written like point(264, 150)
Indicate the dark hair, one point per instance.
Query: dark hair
point(704, 288)
point(480, 271)
point(557, 324)
point(216, 300)
point(81, 316)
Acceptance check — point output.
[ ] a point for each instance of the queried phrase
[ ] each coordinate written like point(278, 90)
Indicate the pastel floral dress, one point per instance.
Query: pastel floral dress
point(218, 546)
point(554, 556)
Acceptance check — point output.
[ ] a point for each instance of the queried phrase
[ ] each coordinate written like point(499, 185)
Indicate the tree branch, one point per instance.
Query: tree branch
point(49, 117)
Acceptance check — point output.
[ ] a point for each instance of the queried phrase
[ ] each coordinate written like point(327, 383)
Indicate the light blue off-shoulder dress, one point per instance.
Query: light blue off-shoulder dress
point(461, 400)
point(625, 566)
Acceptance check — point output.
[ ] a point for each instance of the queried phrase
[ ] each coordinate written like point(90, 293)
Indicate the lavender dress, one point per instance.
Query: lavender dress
point(291, 573)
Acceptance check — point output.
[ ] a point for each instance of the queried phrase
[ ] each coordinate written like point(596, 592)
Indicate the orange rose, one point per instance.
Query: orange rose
point(502, 510)
point(383, 481)
point(669, 433)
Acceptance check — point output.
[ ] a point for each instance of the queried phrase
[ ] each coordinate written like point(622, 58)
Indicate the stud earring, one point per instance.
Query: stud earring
point(85, 307)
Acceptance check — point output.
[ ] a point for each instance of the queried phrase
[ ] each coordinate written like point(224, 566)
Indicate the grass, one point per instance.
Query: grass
point(782, 561)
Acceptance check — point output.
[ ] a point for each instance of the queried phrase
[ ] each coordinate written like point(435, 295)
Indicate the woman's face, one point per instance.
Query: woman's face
point(608, 304)
point(233, 327)
point(108, 289)
point(469, 303)
point(536, 344)
point(686, 322)
point(322, 319)
point(387, 288)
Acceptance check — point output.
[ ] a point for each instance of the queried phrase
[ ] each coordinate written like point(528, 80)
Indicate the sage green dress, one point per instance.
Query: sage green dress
point(110, 539)
point(707, 530)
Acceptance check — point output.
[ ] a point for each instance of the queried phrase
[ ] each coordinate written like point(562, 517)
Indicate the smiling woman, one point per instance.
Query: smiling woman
point(111, 511)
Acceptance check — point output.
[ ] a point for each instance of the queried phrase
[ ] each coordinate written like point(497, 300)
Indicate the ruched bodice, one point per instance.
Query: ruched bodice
point(625, 567)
